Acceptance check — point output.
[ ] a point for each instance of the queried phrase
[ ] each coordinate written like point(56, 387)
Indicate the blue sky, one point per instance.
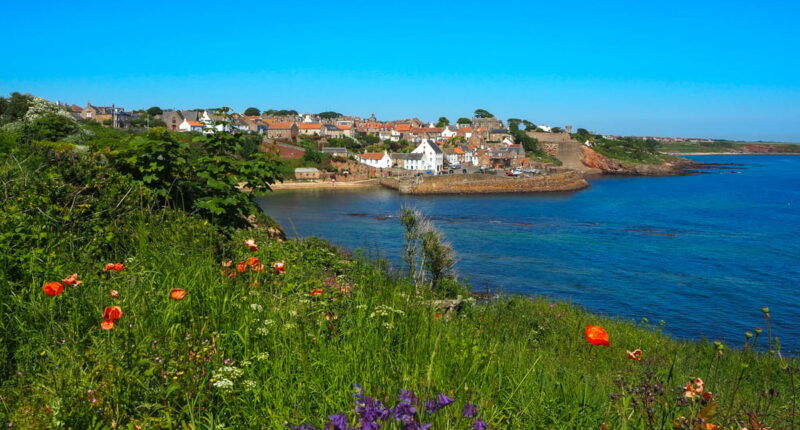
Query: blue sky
point(726, 69)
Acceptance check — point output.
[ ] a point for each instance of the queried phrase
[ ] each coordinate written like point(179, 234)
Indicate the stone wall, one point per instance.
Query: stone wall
point(487, 184)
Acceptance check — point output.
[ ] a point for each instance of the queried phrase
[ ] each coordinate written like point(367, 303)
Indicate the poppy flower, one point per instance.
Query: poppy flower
point(53, 288)
point(107, 324)
point(279, 267)
point(177, 293)
point(112, 313)
point(116, 267)
point(257, 268)
point(316, 291)
point(251, 243)
point(694, 387)
point(72, 280)
point(252, 261)
point(227, 263)
point(241, 267)
point(437, 315)
point(597, 335)
point(114, 294)
point(636, 354)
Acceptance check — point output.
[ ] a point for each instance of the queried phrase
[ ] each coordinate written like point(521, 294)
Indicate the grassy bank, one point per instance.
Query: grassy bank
point(726, 147)
point(191, 327)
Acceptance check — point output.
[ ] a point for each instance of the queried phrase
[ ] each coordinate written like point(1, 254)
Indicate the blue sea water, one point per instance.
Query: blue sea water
point(702, 253)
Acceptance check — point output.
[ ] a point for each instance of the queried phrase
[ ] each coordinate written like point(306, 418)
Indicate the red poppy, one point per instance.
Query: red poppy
point(107, 324)
point(252, 261)
point(279, 267)
point(317, 291)
point(251, 243)
point(597, 335)
point(694, 387)
point(241, 267)
point(257, 268)
point(636, 354)
point(116, 267)
point(112, 313)
point(177, 293)
point(437, 315)
point(72, 280)
point(114, 293)
point(53, 288)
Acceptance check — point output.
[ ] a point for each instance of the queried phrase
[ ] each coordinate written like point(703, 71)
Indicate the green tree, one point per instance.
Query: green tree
point(155, 110)
point(483, 113)
point(556, 130)
point(329, 115)
point(251, 111)
point(443, 122)
point(51, 128)
point(463, 120)
point(14, 107)
point(513, 124)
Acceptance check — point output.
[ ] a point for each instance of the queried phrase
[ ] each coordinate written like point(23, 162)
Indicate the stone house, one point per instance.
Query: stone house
point(282, 130)
point(310, 129)
point(407, 161)
point(306, 173)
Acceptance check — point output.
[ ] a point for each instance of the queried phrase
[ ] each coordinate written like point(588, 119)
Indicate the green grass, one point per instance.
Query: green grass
point(724, 146)
point(525, 362)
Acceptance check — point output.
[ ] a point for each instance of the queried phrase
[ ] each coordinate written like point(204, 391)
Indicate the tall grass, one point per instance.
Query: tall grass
point(259, 350)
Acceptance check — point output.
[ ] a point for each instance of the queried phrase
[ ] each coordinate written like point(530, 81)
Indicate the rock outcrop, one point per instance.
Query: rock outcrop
point(487, 184)
point(608, 166)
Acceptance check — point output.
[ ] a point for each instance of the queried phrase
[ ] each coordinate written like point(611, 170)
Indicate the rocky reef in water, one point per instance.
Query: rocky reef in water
point(487, 184)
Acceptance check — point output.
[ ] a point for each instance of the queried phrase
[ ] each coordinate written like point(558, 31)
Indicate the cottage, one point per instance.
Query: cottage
point(432, 156)
point(379, 160)
point(498, 134)
point(192, 126)
point(107, 115)
point(331, 131)
point(407, 161)
point(310, 129)
point(282, 130)
point(307, 173)
point(336, 152)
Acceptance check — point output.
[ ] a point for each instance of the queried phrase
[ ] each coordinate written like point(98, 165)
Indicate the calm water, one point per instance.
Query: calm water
point(703, 253)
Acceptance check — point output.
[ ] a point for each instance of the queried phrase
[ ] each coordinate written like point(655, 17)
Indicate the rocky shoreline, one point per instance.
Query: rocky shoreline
point(477, 183)
point(597, 163)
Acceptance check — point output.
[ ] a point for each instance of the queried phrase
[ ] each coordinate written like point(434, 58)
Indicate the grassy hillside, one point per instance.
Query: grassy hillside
point(191, 327)
point(726, 146)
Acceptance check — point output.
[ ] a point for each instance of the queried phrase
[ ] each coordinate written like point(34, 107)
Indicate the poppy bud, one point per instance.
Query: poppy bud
point(748, 334)
point(765, 310)
point(758, 330)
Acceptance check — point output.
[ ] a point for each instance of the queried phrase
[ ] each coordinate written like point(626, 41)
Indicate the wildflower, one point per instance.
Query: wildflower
point(758, 330)
point(252, 261)
point(256, 307)
point(434, 405)
point(317, 291)
point(279, 267)
point(177, 293)
point(115, 267)
point(114, 294)
point(251, 243)
point(437, 315)
point(107, 324)
point(636, 354)
point(338, 422)
point(53, 288)
point(470, 410)
point(695, 387)
point(72, 280)
point(748, 334)
point(227, 263)
point(480, 424)
point(241, 267)
point(597, 335)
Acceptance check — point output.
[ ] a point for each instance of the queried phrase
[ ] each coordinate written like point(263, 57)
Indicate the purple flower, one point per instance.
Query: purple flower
point(404, 411)
point(303, 426)
point(408, 396)
point(337, 422)
point(480, 424)
point(470, 410)
point(434, 405)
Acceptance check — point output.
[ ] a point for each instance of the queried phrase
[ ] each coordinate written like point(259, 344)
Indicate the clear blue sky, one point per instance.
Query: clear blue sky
point(728, 69)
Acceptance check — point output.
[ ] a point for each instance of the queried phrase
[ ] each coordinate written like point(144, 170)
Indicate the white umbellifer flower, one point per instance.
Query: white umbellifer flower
point(289, 326)
point(263, 331)
point(388, 325)
point(249, 384)
point(223, 384)
point(361, 306)
point(262, 356)
point(293, 313)
point(256, 307)
point(268, 322)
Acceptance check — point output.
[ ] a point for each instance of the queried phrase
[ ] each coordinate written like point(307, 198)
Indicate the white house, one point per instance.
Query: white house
point(379, 160)
point(187, 125)
point(432, 156)
point(450, 132)
point(408, 161)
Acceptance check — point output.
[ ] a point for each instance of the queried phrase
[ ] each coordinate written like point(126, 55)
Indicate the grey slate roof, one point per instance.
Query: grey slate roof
point(330, 150)
point(435, 147)
point(405, 156)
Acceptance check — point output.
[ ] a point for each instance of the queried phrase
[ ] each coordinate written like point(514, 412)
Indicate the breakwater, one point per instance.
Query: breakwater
point(477, 183)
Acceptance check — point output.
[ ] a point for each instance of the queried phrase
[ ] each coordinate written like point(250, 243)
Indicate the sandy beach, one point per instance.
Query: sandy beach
point(324, 184)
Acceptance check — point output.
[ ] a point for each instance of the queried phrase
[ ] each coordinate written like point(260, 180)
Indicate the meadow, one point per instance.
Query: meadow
point(127, 304)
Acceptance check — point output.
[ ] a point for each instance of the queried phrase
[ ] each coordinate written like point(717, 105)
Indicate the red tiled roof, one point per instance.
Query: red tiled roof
point(196, 124)
point(280, 125)
point(371, 155)
point(458, 150)
point(403, 127)
point(344, 127)
point(308, 126)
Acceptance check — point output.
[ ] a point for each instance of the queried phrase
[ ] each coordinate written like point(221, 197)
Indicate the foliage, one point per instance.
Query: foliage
point(281, 112)
point(426, 249)
point(251, 111)
point(463, 120)
point(14, 107)
point(483, 113)
point(443, 122)
point(329, 115)
point(630, 149)
point(155, 110)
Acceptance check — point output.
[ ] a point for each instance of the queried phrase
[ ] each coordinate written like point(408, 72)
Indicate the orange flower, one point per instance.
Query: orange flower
point(114, 294)
point(254, 284)
point(709, 426)
point(257, 268)
point(597, 335)
point(241, 267)
point(316, 291)
point(694, 387)
point(437, 315)
point(251, 243)
point(72, 280)
point(177, 293)
point(252, 261)
point(112, 313)
point(227, 263)
point(53, 288)
point(107, 324)
point(636, 354)
point(279, 267)
point(116, 267)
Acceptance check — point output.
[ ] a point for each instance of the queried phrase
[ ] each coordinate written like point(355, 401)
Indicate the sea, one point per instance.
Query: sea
point(699, 254)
